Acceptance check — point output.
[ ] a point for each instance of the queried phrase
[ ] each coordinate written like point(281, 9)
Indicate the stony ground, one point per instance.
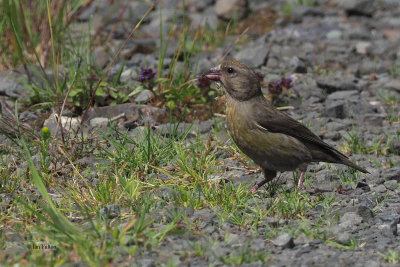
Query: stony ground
point(344, 57)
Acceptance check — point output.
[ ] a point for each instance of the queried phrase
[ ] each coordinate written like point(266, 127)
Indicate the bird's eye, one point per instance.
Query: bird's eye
point(230, 70)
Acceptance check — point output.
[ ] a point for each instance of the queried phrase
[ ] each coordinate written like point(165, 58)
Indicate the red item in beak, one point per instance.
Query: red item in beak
point(213, 74)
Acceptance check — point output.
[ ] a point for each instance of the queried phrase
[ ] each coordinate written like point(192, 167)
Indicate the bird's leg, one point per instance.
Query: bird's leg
point(255, 188)
point(301, 180)
point(303, 170)
point(268, 176)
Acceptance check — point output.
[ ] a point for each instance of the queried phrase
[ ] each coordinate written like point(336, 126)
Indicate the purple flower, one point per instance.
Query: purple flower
point(275, 88)
point(260, 76)
point(146, 74)
point(287, 82)
point(202, 82)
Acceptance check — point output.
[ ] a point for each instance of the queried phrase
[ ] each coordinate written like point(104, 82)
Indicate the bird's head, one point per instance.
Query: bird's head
point(240, 82)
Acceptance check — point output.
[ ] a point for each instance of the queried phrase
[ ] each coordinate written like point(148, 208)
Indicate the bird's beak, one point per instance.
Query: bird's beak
point(213, 74)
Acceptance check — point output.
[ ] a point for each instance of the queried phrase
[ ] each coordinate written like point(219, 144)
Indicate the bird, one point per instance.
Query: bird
point(272, 139)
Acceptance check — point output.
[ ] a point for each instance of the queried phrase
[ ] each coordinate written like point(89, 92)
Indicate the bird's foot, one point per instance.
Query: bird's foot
point(255, 188)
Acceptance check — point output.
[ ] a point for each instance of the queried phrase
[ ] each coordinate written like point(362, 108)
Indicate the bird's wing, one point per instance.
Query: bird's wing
point(277, 121)
point(274, 120)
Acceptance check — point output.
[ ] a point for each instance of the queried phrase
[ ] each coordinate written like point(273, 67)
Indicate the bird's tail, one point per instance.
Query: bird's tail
point(343, 159)
point(351, 164)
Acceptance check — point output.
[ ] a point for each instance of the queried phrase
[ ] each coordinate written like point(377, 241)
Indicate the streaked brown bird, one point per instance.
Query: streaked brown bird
point(272, 139)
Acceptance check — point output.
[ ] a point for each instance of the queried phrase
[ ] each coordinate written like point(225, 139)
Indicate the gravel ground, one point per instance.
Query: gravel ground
point(344, 57)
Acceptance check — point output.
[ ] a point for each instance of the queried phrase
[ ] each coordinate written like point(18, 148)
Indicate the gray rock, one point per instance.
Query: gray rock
point(393, 85)
point(299, 12)
point(139, 46)
point(204, 64)
point(342, 95)
point(189, 211)
point(208, 18)
point(144, 96)
point(359, 7)
point(15, 251)
point(147, 113)
point(350, 219)
point(92, 161)
point(136, 132)
point(380, 189)
point(132, 11)
point(366, 67)
point(374, 119)
point(271, 221)
point(122, 15)
point(297, 65)
point(359, 34)
point(284, 240)
point(28, 116)
point(363, 47)
point(195, 128)
point(350, 85)
point(256, 53)
point(393, 174)
point(232, 238)
point(209, 230)
point(204, 215)
point(367, 200)
point(138, 60)
point(365, 213)
point(343, 238)
point(391, 21)
point(145, 262)
point(380, 48)
point(198, 6)
point(68, 124)
point(101, 57)
point(391, 185)
point(220, 249)
point(331, 85)
point(229, 9)
point(338, 125)
point(87, 12)
point(395, 147)
point(388, 230)
point(99, 122)
point(272, 63)
point(110, 211)
point(257, 244)
point(11, 85)
point(371, 263)
point(169, 15)
point(172, 3)
point(363, 185)
point(336, 109)
point(390, 221)
point(311, 95)
point(127, 75)
point(334, 34)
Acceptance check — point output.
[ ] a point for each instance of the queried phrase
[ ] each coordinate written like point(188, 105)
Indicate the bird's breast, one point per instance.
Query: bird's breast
point(242, 129)
point(274, 151)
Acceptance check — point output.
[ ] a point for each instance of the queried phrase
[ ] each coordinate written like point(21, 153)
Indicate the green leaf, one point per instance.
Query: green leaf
point(103, 84)
point(75, 92)
point(137, 90)
point(113, 94)
point(171, 104)
point(161, 80)
point(100, 92)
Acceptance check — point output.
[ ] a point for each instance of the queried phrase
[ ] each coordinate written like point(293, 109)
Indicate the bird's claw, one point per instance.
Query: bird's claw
point(254, 189)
